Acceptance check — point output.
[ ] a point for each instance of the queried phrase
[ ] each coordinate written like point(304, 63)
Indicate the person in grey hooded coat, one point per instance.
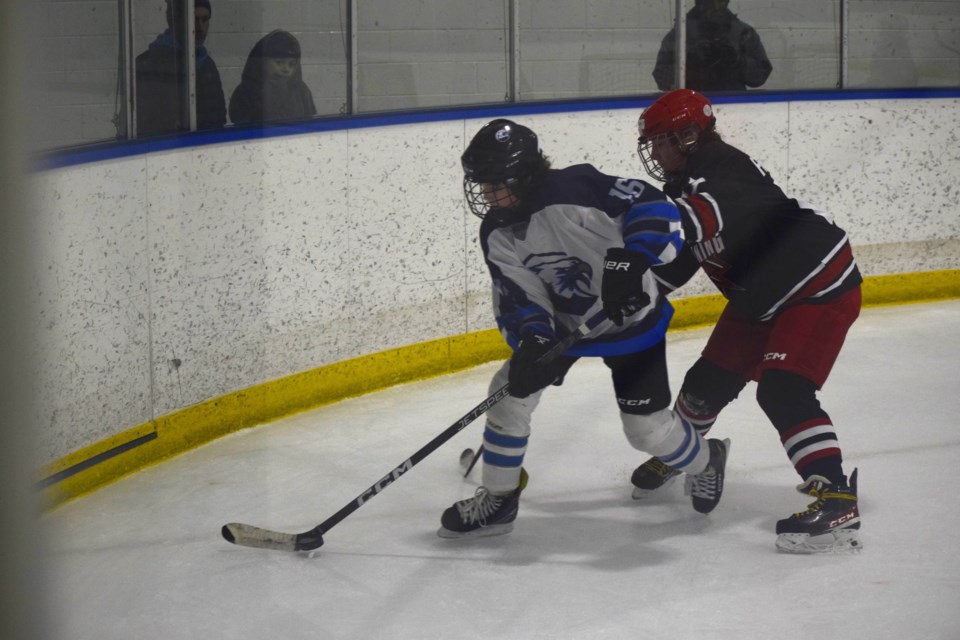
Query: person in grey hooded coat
point(272, 88)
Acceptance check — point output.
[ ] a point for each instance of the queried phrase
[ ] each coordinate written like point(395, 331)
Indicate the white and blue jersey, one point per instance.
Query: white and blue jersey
point(546, 261)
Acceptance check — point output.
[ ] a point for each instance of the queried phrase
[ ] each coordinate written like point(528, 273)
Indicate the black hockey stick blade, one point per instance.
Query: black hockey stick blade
point(473, 461)
point(247, 535)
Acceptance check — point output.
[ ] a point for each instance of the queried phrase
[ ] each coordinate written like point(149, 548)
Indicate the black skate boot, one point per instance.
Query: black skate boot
point(706, 487)
point(485, 514)
point(652, 476)
point(831, 524)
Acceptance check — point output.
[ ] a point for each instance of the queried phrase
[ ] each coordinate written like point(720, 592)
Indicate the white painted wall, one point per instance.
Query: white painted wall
point(172, 278)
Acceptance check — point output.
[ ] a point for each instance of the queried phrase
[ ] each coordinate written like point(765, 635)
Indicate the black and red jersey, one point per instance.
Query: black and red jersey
point(762, 249)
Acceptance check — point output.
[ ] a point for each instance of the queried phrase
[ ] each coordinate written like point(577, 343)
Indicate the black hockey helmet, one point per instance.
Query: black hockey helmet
point(502, 166)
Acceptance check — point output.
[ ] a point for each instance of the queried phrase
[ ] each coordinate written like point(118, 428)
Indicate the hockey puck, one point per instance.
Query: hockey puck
point(466, 458)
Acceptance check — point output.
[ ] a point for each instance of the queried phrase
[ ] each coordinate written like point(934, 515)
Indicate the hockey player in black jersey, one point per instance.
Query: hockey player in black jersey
point(793, 291)
point(545, 237)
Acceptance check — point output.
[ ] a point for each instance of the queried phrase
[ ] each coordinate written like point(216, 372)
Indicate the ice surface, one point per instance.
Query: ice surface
point(143, 558)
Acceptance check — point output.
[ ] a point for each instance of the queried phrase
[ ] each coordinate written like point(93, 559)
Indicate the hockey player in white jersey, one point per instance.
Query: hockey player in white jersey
point(554, 240)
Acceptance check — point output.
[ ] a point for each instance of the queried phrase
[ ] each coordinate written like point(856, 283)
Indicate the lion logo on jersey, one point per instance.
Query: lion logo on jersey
point(568, 279)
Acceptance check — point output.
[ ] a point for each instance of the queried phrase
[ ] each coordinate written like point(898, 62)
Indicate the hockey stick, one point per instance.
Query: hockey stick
point(250, 536)
point(473, 460)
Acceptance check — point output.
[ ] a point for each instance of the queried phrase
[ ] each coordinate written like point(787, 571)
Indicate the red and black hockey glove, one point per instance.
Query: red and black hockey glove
point(529, 373)
point(622, 287)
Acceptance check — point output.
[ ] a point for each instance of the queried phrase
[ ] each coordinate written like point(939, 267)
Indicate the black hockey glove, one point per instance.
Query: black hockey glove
point(622, 287)
point(527, 375)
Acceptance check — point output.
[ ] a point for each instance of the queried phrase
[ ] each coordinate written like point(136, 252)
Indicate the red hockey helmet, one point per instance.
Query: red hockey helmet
point(675, 120)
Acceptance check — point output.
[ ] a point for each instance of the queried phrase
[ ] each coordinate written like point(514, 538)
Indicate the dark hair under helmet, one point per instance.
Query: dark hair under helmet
point(501, 153)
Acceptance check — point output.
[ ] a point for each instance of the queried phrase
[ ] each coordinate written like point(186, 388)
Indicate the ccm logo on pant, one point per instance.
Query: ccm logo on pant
point(633, 403)
point(774, 356)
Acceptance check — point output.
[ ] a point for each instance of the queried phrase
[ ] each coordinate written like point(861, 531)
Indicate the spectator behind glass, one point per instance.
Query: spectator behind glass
point(162, 104)
point(272, 87)
point(723, 52)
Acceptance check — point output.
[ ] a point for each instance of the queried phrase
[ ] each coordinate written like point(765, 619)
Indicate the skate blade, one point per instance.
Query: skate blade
point(843, 541)
point(645, 494)
point(483, 532)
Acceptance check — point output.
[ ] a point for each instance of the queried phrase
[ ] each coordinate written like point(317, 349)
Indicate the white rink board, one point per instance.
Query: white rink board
point(168, 279)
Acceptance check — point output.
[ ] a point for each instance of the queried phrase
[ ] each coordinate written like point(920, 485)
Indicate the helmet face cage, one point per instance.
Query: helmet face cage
point(651, 166)
point(501, 166)
point(672, 147)
point(672, 125)
point(481, 197)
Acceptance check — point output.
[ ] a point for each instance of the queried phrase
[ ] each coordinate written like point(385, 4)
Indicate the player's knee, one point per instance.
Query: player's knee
point(646, 431)
point(787, 398)
point(707, 388)
point(512, 427)
point(695, 406)
point(511, 416)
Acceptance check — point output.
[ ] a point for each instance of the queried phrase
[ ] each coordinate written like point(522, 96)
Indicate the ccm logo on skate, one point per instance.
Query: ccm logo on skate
point(384, 481)
point(842, 519)
point(612, 265)
point(774, 356)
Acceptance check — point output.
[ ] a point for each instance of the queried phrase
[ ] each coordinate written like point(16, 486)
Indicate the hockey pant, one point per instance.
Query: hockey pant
point(643, 394)
point(790, 357)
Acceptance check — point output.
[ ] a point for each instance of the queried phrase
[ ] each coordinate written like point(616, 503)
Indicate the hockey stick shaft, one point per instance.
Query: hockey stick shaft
point(251, 536)
point(473, 460)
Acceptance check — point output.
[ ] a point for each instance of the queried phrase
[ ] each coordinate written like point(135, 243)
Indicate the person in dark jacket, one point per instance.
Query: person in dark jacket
point(723, 52)
point(272, 88)
point(161, 80)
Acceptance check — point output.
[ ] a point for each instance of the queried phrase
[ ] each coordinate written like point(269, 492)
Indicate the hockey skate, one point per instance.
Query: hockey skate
point(652, 476)
point(706, 487)
point(483, 515)
point(831, 524)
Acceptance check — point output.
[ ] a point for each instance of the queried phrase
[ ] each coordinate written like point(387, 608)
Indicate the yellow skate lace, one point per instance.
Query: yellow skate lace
point(658, 467)
point(822, 495)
